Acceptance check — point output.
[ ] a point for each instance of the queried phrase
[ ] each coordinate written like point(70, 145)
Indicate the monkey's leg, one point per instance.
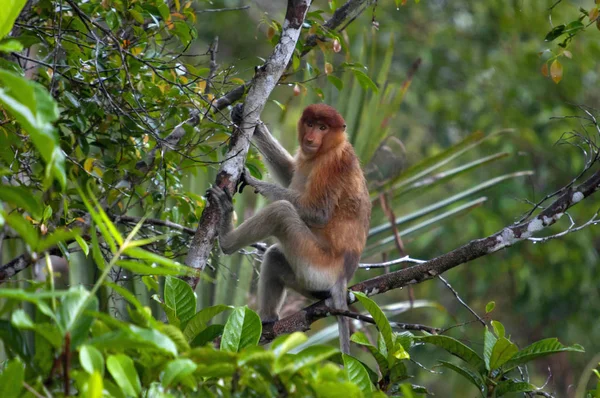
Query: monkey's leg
point(338, 300)
point(279, 219)
point(275, 274)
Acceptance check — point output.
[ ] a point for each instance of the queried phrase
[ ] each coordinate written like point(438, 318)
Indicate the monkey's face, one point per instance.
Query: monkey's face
point(312, 135)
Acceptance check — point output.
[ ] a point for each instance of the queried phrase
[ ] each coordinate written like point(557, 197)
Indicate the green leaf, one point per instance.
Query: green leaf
point(9, 45)
point(474, 377)
point(498, 328)
point(243, 329)
point(357, 373)
point(176, 370)
point(540, 349)
point(489, 307)
point(21, 320)
point(509, 386)
point(180, 297)
point(91, 359)
point(364, 80)
point(11, 379)
point(22, 197)
point(24, 229)
point(307, 357)
point(70, 317)
point(283, 344)
point(489, 341)
point(10, 11)
point(454, 347)
point(337, 389)
point(135, 337)
point(382, 361)
point(34, 108)
point(94, 386)
point(503, 351)
point(336, 81)
point(59, 235)
point(555, 32)
point(395, 350)
point(208, 335)
point(121, 368)
point(83, 245)
point(200, 320)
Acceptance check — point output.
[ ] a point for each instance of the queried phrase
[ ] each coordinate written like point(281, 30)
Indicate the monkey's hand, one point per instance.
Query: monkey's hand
point(247, 179)
point(237, 114)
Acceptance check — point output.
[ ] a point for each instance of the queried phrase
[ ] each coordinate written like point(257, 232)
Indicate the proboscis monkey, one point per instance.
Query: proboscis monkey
point(319, 215)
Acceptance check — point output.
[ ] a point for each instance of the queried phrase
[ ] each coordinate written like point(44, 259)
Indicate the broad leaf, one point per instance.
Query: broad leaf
point(357, 373)
point(540, 349)
point(243, 329)
point(180, 297)
point(456, 348)
point(474, 377)
point(176, 370)
point(121, 368)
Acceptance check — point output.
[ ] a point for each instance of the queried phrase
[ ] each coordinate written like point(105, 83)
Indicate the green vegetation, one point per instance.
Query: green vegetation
point(112, 128)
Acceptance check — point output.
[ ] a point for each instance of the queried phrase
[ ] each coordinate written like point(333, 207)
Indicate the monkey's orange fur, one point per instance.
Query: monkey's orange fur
point(332, 178)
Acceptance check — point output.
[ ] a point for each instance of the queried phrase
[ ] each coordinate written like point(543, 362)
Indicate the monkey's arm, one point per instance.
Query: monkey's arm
point(315, 212)
point(279, 161)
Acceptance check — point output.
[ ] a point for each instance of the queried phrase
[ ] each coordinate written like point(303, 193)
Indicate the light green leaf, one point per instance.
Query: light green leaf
point(22, 197)
point(504, 350)
point(9, 45)
point(489, 341)
point(243, 329)
point(307, 357)
point(357, 373)
point(176, 370)
point(34, 108)
point(180, 297)
point(283, 344)
point(10, 11)
point(121, 368)
point(91, 359)
point(11, 379)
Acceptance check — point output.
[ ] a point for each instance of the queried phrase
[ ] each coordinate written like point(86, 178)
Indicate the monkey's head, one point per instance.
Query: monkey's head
point(320, 129)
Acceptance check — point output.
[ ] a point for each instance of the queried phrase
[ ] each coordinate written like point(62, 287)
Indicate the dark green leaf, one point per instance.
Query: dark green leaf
point(474, 377)
point(456, 348)
point(540, 349)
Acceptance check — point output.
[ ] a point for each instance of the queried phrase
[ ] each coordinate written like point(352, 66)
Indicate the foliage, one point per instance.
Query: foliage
point(87, 135)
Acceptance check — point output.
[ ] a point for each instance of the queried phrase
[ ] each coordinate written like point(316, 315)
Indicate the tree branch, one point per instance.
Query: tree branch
point(301, 320)
point(263, 83)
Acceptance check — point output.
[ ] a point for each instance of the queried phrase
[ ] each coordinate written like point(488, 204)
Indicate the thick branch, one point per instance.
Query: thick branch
point(263, 83)
point(510, 235)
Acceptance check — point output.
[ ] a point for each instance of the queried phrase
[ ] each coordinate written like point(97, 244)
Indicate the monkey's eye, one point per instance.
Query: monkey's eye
point(323, 128)
point(309, 124)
